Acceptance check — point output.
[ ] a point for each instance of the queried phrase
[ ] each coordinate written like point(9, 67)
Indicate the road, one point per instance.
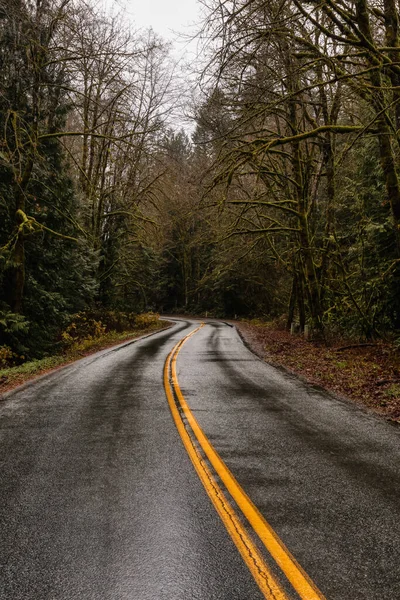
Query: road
point(278, 490)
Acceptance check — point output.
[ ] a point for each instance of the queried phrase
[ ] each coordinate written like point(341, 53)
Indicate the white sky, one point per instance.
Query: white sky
point(172, 19)
point(176, 21)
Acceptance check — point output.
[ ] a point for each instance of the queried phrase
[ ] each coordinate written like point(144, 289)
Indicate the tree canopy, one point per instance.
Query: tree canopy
point(284, 201)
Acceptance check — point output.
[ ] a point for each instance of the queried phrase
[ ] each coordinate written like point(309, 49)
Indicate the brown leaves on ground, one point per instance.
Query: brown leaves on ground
point(369, 375)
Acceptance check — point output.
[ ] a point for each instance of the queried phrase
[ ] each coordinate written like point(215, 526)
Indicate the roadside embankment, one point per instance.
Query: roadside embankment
point(12, 377)
point(368, 374)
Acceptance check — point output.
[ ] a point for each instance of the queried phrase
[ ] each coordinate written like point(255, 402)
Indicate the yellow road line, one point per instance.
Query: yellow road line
point(267, 583)
point(300, 581)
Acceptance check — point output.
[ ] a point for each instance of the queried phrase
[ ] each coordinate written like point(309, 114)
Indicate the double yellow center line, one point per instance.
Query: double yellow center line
point(194, 438)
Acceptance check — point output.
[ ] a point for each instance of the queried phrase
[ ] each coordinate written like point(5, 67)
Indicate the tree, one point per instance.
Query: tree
point(77, 85)
point(297, 82)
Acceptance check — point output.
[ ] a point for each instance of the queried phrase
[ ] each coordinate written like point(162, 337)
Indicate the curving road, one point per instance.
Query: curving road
point(99, 498)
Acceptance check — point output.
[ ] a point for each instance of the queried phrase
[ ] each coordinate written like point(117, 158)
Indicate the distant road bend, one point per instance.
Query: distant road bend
point(180, 466)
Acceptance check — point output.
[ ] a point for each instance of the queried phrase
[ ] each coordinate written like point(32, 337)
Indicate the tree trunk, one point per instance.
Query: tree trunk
point(18, 276)
point(292, 302)
point(18, 258)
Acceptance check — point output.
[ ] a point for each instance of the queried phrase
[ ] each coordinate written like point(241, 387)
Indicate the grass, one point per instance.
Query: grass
point(11, 377)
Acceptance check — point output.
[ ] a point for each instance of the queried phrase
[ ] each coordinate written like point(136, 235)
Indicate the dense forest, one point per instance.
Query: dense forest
point(284, 202)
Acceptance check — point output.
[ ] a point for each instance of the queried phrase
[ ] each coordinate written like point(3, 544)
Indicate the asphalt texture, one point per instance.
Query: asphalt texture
point(99, 500)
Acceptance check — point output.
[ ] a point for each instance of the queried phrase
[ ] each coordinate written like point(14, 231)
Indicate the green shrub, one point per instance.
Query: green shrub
point(14, 330)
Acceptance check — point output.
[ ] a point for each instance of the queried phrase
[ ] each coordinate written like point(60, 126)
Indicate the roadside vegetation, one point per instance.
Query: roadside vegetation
point(283, 203)
point(85, 334)
point(368, 373)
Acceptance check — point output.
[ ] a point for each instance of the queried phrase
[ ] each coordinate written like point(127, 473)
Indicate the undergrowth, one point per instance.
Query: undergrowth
point(96, 338)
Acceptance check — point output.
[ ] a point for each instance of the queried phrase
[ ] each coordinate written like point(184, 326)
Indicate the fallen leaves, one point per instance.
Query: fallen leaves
point(367, 374)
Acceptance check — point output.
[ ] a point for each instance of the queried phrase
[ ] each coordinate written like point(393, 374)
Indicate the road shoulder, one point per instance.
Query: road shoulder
point(368, 376)
point(24, 377)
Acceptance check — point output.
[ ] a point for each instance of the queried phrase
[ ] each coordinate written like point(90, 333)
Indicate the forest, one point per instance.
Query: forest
point(283, 203)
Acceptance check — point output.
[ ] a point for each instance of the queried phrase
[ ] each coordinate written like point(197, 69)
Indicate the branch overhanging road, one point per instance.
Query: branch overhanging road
point(278, 490)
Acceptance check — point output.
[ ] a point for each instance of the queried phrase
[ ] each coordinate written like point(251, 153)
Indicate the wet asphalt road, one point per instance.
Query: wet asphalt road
point(98, 499)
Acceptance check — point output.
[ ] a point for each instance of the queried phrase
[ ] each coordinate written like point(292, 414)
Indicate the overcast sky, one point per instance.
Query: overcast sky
point(169, 18)
point(175, 21)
